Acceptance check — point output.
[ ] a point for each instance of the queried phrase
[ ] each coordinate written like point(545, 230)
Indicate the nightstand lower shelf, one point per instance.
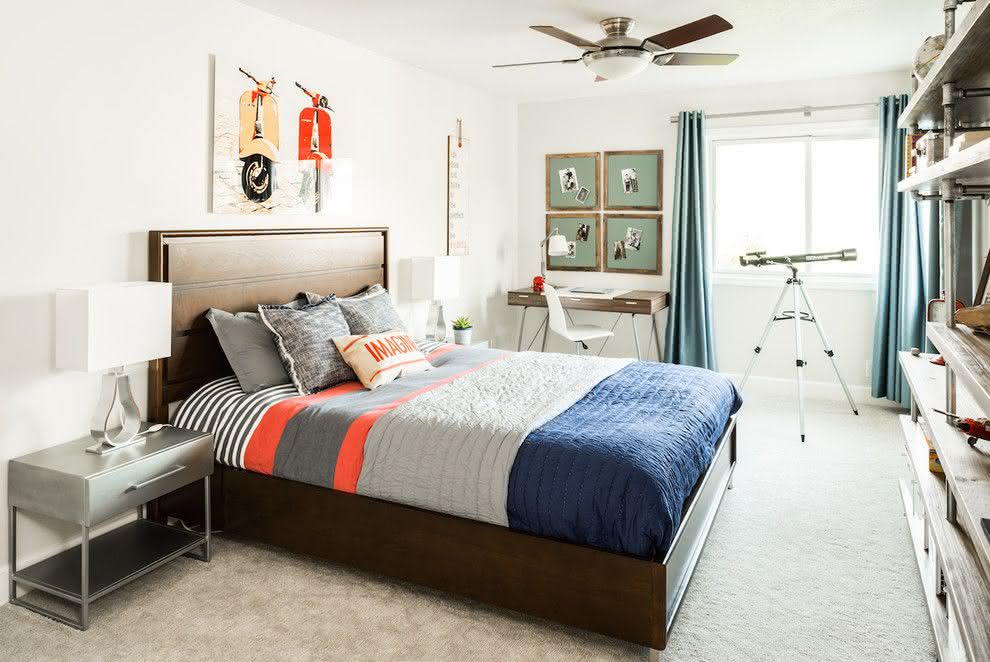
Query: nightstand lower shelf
point(115, 558)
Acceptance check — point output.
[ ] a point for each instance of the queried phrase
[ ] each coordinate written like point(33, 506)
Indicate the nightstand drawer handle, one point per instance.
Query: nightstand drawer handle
point(145, 483)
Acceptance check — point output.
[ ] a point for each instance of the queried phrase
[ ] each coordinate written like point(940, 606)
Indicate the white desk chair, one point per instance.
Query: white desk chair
point(578, 333)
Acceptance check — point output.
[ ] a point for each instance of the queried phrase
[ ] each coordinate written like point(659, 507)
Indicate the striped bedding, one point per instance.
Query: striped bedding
point(609, 464)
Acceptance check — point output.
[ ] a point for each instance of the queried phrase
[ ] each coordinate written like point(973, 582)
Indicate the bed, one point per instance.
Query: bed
point(613, 560)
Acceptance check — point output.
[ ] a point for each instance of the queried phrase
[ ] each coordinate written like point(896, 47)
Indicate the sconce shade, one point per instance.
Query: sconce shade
point(111, 325)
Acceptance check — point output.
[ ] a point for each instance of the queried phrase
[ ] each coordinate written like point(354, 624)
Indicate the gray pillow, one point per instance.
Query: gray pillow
point(304, 337)
point(249, 348)
point(369, 312)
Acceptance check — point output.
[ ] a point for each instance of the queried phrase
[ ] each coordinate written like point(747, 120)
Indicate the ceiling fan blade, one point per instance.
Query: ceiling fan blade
point(703, 27)
point(566, 36)
point(676, 59)
point(526, 64)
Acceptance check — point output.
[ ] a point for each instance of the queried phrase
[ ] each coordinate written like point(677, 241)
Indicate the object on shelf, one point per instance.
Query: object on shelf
point(538, 282)
point(928, 151)
point(926, 56)
point(974, 428)
point(967, 139)
point(910, 155)
point(934, 464)
point(938, 313)
point(981, 286)
point(976, 317)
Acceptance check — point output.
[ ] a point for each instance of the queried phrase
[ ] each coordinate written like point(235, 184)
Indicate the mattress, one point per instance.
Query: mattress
point(593, 451)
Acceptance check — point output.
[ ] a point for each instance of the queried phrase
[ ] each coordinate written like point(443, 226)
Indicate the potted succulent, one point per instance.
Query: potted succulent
point(462, 330)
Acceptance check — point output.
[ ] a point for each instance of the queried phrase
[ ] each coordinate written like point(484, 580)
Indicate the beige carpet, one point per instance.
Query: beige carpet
point(809, 560)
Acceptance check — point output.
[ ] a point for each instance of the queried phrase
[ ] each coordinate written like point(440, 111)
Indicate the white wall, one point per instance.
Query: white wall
point(107, 134)
point(740, 312)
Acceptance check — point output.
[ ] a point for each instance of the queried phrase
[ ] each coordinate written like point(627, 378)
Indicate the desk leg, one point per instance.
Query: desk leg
point(522, 324)
point(546, 328)
point(656, 332)
point(632, 316)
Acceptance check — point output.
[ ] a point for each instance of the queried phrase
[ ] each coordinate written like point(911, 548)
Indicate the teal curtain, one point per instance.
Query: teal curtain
point(689, 338)
point(906, 277)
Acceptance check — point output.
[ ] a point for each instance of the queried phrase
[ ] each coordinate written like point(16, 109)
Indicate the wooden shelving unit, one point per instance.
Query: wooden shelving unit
point(946, 514)
point(967, 469)
point(965, 62)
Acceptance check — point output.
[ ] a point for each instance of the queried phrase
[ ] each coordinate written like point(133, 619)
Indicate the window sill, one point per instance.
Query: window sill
point(776, 279)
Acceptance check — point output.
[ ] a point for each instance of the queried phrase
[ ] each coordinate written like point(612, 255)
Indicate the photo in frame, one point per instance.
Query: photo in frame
point(631, 243)
point(634, 180)
point(572, 181)
point(582, 232)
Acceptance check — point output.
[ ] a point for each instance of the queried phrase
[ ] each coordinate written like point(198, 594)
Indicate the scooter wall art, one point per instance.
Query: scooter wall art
point(255, 169)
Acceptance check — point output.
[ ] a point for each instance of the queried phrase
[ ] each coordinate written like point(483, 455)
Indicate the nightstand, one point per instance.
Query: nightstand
point(67, 483)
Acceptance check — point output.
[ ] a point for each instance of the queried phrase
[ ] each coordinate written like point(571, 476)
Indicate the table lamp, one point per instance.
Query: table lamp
point(556, 244)
point(103, 328)
point(436, 278)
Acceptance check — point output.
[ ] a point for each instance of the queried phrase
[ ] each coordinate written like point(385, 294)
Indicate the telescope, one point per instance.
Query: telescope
point(761, 259)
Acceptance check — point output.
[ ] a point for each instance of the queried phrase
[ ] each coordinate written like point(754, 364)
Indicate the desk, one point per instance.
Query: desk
point(635, 302)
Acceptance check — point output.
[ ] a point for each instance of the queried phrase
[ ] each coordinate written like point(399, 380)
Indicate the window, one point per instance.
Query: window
point(782, 193)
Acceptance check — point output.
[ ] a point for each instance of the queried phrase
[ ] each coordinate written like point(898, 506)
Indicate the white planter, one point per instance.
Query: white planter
point(462, 336)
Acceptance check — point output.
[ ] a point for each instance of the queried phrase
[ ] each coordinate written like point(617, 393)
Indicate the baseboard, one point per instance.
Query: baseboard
point(779, 386)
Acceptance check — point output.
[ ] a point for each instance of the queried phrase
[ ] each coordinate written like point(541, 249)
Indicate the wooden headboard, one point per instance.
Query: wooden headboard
point(236, 270)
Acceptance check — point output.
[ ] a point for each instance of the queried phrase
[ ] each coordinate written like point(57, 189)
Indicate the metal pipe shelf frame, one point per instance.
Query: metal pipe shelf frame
point(959, 77)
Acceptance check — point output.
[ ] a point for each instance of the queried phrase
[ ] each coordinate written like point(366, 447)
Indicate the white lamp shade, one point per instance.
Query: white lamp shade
point(116, 324)
point(557, 245)
point(436, 278)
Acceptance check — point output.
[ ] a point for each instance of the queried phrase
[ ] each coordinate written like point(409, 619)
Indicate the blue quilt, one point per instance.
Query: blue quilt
point(614, 470)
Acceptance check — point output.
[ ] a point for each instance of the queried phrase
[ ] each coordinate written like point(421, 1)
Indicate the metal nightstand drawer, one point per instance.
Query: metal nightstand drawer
point(149, 478)
point(70, 484)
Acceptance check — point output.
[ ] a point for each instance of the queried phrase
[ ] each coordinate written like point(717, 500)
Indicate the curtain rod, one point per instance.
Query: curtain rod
point(806, 110)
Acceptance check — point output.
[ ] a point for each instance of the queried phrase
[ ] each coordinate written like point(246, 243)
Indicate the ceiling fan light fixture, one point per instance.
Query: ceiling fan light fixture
point(618, 63)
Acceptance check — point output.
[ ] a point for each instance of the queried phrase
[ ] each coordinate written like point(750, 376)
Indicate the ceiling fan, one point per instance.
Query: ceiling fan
point(620, 56)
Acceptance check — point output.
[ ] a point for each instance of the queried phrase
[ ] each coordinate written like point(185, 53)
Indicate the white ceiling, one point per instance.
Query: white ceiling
point(778, 40)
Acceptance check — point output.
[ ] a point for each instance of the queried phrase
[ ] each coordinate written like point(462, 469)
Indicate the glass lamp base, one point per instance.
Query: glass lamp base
point(436, 325)
point(116, 420)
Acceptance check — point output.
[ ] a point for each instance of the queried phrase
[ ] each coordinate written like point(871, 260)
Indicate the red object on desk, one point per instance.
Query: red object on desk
point(538, 284)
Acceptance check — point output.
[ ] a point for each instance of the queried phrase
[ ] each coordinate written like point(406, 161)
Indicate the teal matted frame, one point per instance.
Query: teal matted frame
point(587, 165)
point(648, 162)
point(646, 260)
point(588, 255)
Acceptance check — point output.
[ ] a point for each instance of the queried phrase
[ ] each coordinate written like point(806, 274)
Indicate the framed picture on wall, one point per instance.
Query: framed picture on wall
point(582, 232)
point(572, 181)
point(631, 243)
point(634, 180)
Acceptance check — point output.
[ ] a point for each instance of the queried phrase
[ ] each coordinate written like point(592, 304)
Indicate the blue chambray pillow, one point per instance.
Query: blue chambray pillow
point(368, 312)
point(304, 338)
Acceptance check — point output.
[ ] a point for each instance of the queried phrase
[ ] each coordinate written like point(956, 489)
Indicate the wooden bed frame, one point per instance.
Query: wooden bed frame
point(613, 594)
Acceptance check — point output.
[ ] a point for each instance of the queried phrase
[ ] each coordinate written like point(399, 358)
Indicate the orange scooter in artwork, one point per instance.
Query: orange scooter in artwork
point(258, 139)
point(315, 129)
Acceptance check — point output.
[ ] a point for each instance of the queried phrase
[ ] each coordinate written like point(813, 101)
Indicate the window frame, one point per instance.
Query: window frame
point(806, 133)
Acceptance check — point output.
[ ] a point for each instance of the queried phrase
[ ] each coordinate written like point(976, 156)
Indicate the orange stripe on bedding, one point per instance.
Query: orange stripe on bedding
point(350, 459)
point(259, 455)
point(440, 351)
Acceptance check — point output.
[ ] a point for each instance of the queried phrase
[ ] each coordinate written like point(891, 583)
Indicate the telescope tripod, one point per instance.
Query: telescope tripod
point(798, 292)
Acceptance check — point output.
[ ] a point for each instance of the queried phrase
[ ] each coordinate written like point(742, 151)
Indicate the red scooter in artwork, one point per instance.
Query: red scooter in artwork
point(315, 129)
